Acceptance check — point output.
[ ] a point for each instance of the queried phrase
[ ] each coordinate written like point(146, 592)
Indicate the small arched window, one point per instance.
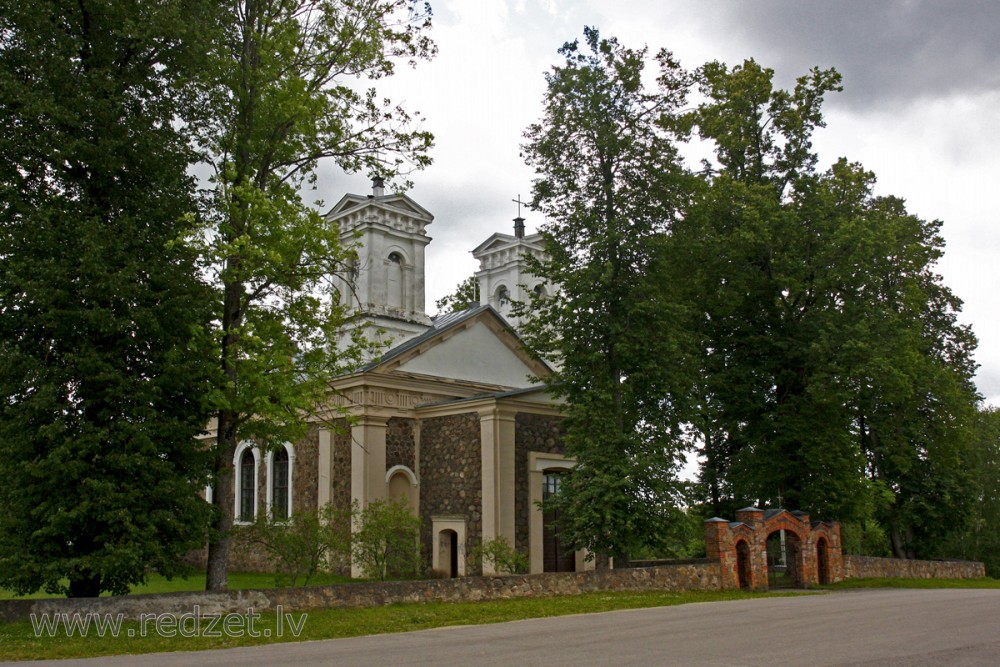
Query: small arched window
point(539, 290)
point(503, 295)
point(395, 258)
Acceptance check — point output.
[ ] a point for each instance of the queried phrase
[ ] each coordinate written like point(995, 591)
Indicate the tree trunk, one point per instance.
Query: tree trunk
point(85, 587)
point(602, 563)
point(217, 571)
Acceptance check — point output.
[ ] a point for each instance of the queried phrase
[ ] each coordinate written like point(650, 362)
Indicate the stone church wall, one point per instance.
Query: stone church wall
point(399, 443)
point(451, 476)
point(536, 433)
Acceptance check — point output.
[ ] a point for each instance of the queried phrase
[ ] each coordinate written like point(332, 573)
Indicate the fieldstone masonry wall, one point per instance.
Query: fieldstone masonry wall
point(536, 433)
point(861, 567)
point(399, 443)
point(451, 476)
point(702, 575)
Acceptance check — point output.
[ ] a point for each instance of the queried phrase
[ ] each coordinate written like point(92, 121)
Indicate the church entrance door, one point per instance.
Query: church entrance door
point(557, 556)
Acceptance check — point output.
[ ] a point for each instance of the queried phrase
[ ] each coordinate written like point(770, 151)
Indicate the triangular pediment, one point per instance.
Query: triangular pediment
point(498, 242)
point(475, 346)
point(395, 203)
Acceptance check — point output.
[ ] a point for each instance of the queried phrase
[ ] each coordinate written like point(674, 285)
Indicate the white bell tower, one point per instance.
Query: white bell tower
point(503, 271)
point(386, 286)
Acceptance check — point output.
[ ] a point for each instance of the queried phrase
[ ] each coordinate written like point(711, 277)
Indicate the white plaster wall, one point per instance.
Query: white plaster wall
point(473, 354)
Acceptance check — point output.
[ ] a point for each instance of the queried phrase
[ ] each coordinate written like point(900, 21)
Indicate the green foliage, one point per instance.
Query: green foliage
point(504, 558)
point(609, 183)
point(310, 543)
point(979, 539)
point(864, 538)
point(385, 540)
point(834, 372)
point(465, 296)
point(281, 92)
point(100, 373)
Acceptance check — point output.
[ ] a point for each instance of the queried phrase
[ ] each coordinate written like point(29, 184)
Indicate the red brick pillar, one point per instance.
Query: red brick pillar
point(719, 546)
point(754, 518)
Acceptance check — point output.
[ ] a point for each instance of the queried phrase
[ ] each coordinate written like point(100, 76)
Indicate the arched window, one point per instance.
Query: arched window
point(539, 290)
point(245, 462)
point(280, 464)
point(394, 280)
point(503, 295)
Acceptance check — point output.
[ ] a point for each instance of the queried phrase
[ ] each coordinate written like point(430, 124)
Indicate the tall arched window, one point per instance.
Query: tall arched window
point(246, 486)
point(503, 296)
point(280, 466)
point(394, 280)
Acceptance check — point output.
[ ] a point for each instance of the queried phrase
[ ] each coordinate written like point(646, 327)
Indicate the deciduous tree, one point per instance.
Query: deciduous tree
point(609, 183)
point(101, 380)
point(286, 90)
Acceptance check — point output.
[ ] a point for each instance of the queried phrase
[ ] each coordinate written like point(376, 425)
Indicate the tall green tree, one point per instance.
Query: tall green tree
point(979, 539)
point(465, 296)
point(100, 377)
point(835, 375)
point(609, 183)
point(286, 90)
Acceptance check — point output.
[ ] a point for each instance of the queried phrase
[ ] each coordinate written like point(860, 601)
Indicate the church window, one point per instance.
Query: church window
point(503, 295)
point(280, 465)
point(246, 484)
point(394, 280)
point(539, 290)
point(279, 487)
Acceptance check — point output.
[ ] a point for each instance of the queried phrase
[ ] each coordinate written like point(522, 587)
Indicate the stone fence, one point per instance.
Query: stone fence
point(862, 567)
point(702, 574)
point(689, 575)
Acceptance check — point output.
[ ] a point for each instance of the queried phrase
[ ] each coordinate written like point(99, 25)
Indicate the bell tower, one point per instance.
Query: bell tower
point(385, 288)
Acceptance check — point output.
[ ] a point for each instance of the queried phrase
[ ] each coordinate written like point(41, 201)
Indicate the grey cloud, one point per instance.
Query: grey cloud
point(890, 52)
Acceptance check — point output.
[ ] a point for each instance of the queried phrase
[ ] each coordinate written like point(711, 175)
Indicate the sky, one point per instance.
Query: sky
point(920, 108)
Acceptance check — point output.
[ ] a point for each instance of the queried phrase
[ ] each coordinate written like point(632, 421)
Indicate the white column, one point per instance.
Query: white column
point(497, 450)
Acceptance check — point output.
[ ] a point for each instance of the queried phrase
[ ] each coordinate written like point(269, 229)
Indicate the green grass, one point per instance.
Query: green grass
point(196, 582)
point(18, 641)
point(912, 583)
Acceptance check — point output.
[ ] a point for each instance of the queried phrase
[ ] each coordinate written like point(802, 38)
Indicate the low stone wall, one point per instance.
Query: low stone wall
point(863, 567)
point(698, 575)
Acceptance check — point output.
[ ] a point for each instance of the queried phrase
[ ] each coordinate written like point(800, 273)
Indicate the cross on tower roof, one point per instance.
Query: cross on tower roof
point(519, 204)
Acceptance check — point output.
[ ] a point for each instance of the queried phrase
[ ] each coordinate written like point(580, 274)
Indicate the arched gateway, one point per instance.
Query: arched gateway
point(812, 553)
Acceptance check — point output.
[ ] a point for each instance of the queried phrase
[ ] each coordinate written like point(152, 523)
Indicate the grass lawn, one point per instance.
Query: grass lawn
point(196, 582)
point(18, 640)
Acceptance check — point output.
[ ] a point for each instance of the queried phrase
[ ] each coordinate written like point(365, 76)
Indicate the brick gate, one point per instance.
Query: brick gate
point(814, 552)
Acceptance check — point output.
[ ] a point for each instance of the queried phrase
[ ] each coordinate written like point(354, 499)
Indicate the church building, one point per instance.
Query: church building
point(448, 418)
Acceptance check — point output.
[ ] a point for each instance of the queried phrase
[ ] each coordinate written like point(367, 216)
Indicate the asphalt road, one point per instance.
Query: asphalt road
point(865, 627)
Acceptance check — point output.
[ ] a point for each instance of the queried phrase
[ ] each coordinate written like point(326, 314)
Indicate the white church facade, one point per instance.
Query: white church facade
point(447, 418)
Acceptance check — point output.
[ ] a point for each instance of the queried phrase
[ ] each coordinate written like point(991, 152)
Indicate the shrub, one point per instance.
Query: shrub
point(385, 541)
point(504, 557)
point(297, 549)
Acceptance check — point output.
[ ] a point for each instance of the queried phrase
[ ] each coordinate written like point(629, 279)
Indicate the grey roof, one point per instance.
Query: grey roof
point(490, 394)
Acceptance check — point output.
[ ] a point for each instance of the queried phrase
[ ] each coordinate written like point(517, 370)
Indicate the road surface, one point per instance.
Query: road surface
point(864, 627)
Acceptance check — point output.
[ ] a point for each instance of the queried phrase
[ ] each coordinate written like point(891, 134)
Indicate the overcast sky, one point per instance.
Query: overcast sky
point(921, 108)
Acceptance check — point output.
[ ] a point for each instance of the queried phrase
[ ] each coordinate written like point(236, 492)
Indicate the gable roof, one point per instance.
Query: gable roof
point(481, 319)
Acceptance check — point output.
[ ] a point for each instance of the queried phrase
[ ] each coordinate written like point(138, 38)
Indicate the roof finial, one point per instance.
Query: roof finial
point(519, 221)
point(378, 186)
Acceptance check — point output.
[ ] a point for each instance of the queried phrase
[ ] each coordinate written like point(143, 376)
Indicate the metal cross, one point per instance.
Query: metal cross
point(519, 204)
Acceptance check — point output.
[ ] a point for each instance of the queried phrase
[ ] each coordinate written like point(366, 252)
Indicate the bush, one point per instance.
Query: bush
point(499, 552)
point(385, 541)
point(297, 549)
